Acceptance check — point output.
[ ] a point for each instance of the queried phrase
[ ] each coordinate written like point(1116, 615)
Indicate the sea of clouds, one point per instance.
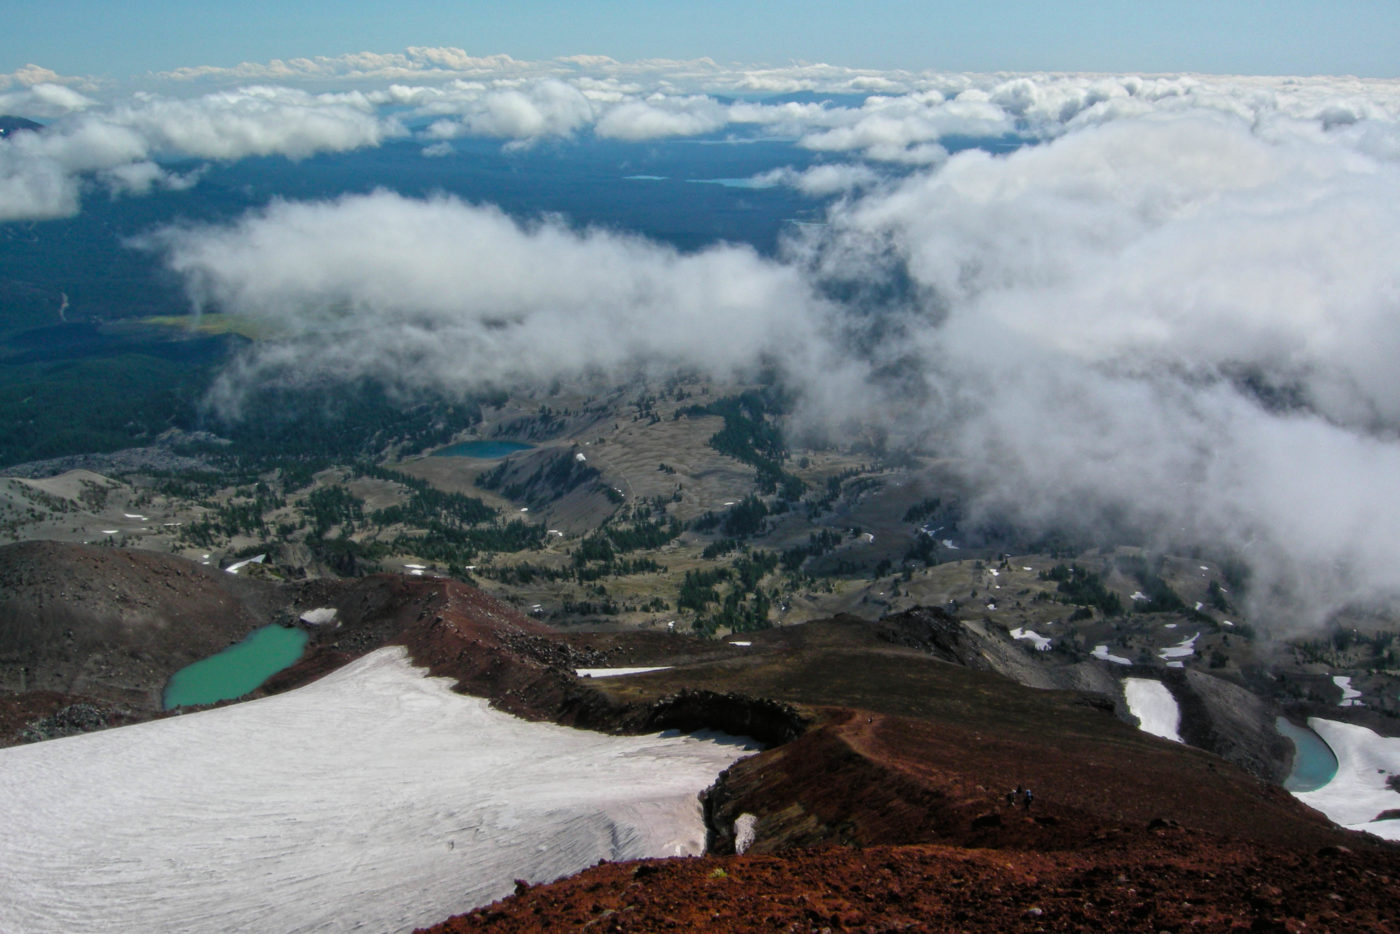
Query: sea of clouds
point(1174, 310)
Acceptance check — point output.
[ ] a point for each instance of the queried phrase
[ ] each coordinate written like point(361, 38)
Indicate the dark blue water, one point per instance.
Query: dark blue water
point(485, 450)
point(587, 182)
point(1314, 763)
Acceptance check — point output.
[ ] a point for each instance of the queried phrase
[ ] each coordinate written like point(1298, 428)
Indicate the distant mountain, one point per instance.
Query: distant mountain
point(10, 125)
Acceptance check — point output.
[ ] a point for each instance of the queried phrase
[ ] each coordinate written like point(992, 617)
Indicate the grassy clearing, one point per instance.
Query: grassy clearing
point(212, 323)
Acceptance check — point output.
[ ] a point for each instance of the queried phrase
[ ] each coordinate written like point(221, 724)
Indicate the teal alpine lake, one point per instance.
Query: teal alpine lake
point(1314, 762)
point(484, 450)
point(236, 670)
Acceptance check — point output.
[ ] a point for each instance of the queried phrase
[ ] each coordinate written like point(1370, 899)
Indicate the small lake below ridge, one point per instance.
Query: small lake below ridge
point(1314, 762)
point(236, 670)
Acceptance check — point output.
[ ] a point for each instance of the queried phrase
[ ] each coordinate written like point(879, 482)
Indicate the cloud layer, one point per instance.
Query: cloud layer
point(304, 106)
point(1181, 322)
point(43, 174)
point(440, 294)
point(1172, 309)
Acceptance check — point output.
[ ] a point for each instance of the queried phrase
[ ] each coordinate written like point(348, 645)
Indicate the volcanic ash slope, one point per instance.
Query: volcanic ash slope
point(375, 798)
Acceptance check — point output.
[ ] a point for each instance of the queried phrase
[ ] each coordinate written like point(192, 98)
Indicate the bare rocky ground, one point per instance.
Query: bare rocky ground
point(881, 804)
point(1150, 881)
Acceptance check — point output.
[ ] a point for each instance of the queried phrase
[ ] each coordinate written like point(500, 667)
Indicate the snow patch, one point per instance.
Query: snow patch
point(1101, 652)
point(1156, 710)
point(1183, 649)
point(615, 672)
point(1349, 693)
point(745, 829)
point(1042, 644)
point(319, 616)
point(1358, 792)
point(240, 565)
point(374, 799)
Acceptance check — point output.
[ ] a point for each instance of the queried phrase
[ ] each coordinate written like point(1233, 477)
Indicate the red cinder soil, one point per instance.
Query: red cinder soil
point(1166, 880)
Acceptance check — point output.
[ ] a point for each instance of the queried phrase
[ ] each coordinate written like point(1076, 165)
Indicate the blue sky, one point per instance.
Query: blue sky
point(1225, 36)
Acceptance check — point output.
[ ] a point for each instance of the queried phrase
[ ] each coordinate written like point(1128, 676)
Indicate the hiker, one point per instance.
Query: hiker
point(1028, 798)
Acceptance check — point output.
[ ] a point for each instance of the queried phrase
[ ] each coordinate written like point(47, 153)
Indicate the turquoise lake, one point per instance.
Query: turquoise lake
point(236, 670)
point(1314, 763)
point(486, 450)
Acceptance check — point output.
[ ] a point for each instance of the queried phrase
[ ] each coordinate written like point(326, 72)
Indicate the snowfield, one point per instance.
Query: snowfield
point(1358, 793)
point(1183, 649)
point(1350, 694)
point(1102, 653)
point(375, 799)
point(1041, 643)
point(1152, 703)
point(615, 672)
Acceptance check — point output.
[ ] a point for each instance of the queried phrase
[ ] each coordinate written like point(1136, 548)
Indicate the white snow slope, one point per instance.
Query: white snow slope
point(1358, 793)
point(1152, 703)
point(374, 799)
point(1101, 652)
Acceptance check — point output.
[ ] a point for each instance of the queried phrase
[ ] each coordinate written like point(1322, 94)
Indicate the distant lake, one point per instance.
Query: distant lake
point(485, 450)
point(238, 669)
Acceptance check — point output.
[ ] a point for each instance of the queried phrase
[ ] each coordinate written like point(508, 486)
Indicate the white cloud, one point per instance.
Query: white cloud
point(1176, 310)
point(443, 294)
point(256, 121)
point(30, 191)
point(44, 101)
point(546, 108)
point(1182, 322)
point(41, 173)
point(302, 106)
point(138, 178)
point(31, 75)
point(659, 116)
point(821, 181)
point(1172, 322)
point(908, 128)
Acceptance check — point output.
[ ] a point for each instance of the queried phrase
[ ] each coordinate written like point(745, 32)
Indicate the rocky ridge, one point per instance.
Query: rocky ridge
point(890, 742)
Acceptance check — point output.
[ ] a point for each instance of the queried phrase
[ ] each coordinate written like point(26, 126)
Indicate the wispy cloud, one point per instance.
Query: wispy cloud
point(302, 106)
point(42, 174)
point(1179, 322)
point(442, 294)
point(1173, 311)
